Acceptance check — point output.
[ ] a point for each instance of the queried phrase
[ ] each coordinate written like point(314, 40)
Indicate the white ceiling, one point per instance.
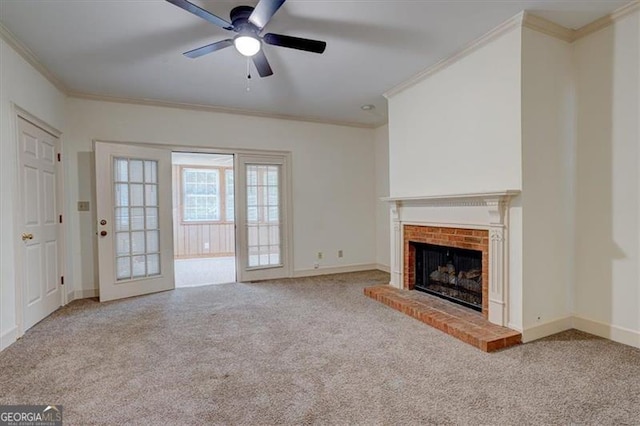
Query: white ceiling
point(133, 48)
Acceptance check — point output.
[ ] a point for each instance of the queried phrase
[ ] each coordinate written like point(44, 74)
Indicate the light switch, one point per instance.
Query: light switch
point(83, 206)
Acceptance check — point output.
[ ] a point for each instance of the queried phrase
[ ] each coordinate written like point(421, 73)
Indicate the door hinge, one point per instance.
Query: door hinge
point(59, 157)
point(62, 280)
point(60, 219)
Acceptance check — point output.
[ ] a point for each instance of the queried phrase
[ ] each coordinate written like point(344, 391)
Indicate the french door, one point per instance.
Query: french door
point(263, 185)
point(134, 220)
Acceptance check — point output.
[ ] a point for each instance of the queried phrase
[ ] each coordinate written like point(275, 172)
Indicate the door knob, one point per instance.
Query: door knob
point(26, 236)
point(103, 233)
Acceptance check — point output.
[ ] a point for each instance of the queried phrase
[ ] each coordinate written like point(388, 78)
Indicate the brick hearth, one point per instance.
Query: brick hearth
point(457, 321)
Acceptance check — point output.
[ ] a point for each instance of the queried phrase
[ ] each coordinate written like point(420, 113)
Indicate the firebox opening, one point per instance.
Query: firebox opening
point(451, 273)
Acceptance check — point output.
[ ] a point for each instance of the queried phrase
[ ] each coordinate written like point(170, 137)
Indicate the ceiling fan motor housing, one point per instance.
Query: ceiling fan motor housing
point(240, 20)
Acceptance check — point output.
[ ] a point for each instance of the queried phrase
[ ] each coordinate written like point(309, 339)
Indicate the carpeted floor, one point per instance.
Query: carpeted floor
point(303, 351)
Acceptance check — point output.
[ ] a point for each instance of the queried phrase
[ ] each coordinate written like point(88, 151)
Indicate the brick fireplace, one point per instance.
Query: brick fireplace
point(461, 238)
point(477, 221)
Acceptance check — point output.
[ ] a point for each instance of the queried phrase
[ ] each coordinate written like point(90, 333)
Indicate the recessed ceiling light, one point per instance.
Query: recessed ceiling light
point(368, 107)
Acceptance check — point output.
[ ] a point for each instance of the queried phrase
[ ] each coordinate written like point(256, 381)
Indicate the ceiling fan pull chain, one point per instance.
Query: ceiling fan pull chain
point(248, 75)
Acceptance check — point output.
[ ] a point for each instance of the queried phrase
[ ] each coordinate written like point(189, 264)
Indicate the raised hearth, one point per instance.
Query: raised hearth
point(457, 321)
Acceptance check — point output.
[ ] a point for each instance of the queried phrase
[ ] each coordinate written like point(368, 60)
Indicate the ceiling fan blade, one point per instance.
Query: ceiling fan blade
point(198, 11)
point(263, 12)
point(196, 53)
point(261, 63)
point(315, 46)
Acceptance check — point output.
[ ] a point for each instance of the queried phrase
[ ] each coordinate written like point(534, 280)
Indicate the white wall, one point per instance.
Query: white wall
point(458, 131)
point(547, 179)
point(607, 276)
point(381, 141)
point(333, 175)
point(23, 86)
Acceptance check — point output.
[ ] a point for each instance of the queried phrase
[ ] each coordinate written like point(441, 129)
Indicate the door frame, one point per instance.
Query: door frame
point(20, 113)
point(235, 152)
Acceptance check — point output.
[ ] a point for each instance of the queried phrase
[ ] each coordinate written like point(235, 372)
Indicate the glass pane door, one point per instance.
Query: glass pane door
point(134, 220)
point(263, 184)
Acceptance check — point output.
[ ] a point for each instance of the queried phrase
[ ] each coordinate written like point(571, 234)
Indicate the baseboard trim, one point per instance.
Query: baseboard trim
point(334, 270)
point(85, 293)
point(547, 329)
point(383, 268)
point(615, 333)
point(8, 338)
point(608, 331)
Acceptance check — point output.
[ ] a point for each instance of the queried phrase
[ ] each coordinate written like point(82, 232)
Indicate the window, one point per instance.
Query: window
point(201, 195)
point(207, 194)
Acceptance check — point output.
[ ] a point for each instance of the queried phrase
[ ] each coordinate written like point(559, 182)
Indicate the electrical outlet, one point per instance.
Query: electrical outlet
point(340, 253)
point(316, 265)
point(83, 206)
point(319, 255)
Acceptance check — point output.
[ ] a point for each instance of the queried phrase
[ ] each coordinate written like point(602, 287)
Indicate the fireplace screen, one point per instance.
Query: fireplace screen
point(451, 273)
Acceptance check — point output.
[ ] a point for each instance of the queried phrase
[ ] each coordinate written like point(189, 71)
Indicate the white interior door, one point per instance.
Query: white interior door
point(134, 214)
point(38, 260)
point(262, 201)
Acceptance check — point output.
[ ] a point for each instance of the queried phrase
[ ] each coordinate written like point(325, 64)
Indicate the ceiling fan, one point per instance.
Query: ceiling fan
point(249, 22)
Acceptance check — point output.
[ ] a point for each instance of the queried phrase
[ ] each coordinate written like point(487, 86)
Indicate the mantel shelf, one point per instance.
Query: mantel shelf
point(458, 197)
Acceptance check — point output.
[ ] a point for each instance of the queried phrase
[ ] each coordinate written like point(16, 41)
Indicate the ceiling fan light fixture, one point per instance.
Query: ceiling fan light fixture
point(247, 45)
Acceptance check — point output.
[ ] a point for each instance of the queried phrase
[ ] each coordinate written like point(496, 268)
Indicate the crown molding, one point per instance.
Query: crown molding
point(505, 27)
point(378, 126)
point(605, 21)
point(211, 108)
point(31, 58)
point(544, 26)
point(523, 19)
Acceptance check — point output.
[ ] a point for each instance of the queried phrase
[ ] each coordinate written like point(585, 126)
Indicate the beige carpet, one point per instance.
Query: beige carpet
point(305, 351)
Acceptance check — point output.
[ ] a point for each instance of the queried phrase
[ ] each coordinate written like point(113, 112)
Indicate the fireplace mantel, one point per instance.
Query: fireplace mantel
point(474, 198)
point(482, 210)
